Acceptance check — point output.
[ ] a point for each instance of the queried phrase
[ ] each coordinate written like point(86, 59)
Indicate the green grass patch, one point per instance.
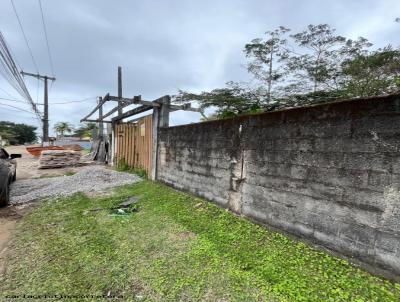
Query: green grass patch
point(122, 166)
point(176, 247)
point(68, 173)
point(85, 151)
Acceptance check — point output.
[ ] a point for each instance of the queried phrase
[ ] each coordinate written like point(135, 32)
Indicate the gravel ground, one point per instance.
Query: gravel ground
point(89, 179)
point(28, 165)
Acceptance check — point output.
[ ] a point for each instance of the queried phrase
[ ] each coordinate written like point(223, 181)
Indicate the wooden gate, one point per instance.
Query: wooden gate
point(133, 144)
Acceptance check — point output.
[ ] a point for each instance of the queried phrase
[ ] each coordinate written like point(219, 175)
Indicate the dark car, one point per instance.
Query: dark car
point(8, 173)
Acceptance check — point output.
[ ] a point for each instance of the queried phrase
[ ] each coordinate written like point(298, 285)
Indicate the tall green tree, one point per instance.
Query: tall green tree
point(85, 130)
point(235, 99)
point(316, 64)
point(373, 73)
point(267, 57)
point(312, 66)
point(25, 133)
point(63, 127)
point(18, 133)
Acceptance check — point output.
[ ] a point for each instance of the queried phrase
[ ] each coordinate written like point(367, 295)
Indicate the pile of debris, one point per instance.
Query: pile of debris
point(58, 159)
point(74, 147)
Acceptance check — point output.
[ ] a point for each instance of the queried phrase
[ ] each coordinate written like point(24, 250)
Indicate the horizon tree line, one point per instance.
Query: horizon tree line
point(311, 66)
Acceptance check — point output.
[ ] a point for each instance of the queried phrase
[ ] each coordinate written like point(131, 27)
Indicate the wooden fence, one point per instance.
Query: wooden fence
point(133, 144)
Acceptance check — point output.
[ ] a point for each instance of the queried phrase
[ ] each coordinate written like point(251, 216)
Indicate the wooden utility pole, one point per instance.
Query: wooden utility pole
point(119, 88)
point(120, 105)
point(46, 112)
point(46, 102)
point(101, 127)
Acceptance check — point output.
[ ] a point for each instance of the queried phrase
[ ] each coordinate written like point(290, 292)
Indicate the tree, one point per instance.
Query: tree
point(85, 130)
point(235, 99)
point(312, 66)
point(336, 82)
point(62, 127)
point(373, 73)
point(25, 133)
point(17, 133)
point(316, 65)
point(267, 57)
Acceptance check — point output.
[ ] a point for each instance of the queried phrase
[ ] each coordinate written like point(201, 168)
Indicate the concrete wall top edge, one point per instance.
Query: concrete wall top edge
point(354, 104)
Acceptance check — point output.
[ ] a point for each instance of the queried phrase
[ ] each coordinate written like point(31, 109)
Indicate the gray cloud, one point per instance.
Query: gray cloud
point(164, 46)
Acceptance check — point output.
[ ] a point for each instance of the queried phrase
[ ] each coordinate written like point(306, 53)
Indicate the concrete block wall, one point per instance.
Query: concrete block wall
point(197, 158)
point(329, 173)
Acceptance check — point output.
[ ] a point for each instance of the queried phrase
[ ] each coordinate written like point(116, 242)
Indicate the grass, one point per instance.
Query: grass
point(85, 151)
point(175, 248)
point(68, 173)
point(122, 166)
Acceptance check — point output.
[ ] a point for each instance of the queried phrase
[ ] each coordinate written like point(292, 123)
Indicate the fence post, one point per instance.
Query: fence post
point(101, 125)
point(112, 147)
point(156, 119)
point(160, 119)
point(164, 111)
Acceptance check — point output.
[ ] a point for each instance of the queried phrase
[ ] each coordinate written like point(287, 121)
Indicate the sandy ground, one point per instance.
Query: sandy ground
point(27, 167)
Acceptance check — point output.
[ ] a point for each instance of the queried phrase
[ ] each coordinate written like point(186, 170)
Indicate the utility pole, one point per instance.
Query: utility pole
point(113, 147)
point(101, 125)
point(119, 88)
point(46, 102)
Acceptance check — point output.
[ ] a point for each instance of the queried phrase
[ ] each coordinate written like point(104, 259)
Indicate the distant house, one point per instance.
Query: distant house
point(3, 142)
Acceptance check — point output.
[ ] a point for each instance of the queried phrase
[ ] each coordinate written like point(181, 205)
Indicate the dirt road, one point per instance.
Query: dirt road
point(27, 165)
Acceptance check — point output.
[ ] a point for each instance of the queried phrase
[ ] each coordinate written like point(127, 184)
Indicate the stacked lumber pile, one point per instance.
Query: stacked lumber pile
point(74, 147)
point(58, 158)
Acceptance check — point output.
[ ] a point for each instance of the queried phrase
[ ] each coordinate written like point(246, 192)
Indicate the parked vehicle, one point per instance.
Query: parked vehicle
point(8, 174)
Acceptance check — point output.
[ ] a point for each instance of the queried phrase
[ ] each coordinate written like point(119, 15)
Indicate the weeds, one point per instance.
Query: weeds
point(122, 166)
point(175, 248)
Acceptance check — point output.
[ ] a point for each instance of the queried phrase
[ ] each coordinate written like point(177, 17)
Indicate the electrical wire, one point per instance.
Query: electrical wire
point(37, 90)
point(79, 101)
point(11, 73)
point(25, 38)
point(55, 103)
point(6, 92)
point(47, 40)
point(12, 100)
point(20, 109)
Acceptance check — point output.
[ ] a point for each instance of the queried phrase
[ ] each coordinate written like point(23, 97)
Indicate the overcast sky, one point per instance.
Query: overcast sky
point(162, 45)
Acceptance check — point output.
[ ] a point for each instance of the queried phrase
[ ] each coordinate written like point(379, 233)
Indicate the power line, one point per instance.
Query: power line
point(20, 109)
point(20, 101)
point(45, 118)
point(47, 40)
point(13, 100)
point(12, 74)
point(10, 70)
point(6, 92)
point(79, 101)
point(26, 40)
point(37, 91)
point(56, 103)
